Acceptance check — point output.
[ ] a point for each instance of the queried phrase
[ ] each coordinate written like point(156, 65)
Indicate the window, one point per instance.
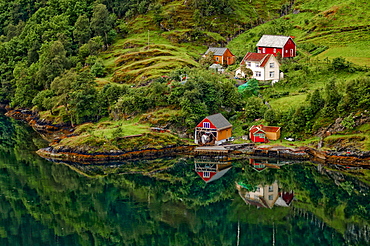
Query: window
point(274, 50)
point(263, 50)
point(216, 58)
point(271, 197)
point(257, 64)
point(206, 125)
point(272, 74)
point(258, 74)
point(249, 64)
point(271, 188)
point(272, 65)
point(258, 189)
point(206, 174)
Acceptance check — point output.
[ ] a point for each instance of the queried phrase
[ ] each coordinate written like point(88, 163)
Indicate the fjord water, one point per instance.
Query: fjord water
point(173, 201)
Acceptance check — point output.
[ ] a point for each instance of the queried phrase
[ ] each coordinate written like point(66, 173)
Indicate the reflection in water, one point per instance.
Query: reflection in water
point(265, 196)
point(211, 168)
point(164, 202)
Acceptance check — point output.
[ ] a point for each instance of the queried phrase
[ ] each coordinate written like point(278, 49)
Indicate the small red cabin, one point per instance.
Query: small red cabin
point(221, 56)
point(274, 44)
point(262, 134)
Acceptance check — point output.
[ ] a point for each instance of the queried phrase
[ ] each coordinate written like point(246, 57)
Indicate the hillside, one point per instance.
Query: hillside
point(83, 61)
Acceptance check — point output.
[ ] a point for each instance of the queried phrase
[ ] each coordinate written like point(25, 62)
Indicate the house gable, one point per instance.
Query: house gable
point(263, 66)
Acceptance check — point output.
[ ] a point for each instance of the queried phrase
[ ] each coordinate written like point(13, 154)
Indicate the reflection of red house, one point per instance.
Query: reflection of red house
point(222, 55)
point(274, 44)
point(262, 134)
point(210, 171)
point(261, 164)
point(285, 198)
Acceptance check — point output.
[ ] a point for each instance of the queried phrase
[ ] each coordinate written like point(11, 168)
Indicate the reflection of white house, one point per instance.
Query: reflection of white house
point(264, 66)
point(265, 196)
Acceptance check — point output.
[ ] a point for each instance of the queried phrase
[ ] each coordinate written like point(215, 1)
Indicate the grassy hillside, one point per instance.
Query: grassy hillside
point(172, 35)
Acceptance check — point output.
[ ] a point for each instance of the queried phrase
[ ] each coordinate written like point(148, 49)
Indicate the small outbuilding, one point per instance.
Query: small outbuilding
point(221, 56)
point(213, 130)
point(262, 134)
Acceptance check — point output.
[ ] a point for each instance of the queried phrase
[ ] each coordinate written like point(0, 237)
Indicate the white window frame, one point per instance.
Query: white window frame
point(206, 125)
point(274, 50)
point(258, 74)
point(206, 174)
point(249, 64)
point(272, 64)
point(263, 50)
point(272, 74)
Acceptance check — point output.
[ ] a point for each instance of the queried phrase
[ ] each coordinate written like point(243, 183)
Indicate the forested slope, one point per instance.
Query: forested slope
point(87, 60)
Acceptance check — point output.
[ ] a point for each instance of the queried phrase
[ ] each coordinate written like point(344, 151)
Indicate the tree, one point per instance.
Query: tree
point(82, 31)
point(53, 61)
point(332, 98)
point(254, 108)
point(247, 71)
point(101, 21)
point(207, 60)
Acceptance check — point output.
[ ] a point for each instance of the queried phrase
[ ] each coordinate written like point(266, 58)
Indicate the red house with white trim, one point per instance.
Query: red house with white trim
point(274, 44)
point(262, 134)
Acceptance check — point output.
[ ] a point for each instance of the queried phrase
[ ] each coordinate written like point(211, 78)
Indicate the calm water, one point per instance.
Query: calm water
point(175, 201)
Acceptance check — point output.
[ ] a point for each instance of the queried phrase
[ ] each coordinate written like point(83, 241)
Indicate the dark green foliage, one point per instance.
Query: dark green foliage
point(340, 63)
point(254, 108)
point(357, 96)
point(332, 98)
point(82, 31)
point(98, 69)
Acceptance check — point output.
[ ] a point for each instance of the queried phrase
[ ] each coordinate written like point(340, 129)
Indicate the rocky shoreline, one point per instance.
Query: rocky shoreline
point(54, 132)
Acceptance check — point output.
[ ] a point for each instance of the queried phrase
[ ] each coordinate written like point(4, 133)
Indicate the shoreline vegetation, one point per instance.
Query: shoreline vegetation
point(86, 154)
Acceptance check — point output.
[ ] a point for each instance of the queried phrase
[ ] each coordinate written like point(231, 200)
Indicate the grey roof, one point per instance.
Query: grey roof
point(219, 121)
point(274, 41)
point(216, 51)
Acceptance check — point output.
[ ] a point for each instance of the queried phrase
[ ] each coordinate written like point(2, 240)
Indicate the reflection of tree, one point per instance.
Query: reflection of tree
point(50, 203)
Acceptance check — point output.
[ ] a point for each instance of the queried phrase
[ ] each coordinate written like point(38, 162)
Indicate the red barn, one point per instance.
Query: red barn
point(222, 55)
point(213, 129)
point(274, 44)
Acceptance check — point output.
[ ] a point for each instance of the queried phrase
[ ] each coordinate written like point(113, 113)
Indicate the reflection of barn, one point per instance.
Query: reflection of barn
point(211, 169)
point(213, 129)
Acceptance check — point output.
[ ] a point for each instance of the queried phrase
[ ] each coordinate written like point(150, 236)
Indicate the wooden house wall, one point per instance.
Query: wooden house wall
point(223, 134)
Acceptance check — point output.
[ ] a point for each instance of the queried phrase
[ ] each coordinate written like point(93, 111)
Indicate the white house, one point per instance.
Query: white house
point(264, 66)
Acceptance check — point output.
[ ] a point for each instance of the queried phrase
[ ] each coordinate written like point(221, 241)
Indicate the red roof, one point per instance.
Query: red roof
point(256, 57)
point(264, 129)
point(255, 129)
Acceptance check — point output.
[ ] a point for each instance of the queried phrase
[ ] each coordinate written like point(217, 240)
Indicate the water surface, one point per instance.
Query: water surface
point(174, 201)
